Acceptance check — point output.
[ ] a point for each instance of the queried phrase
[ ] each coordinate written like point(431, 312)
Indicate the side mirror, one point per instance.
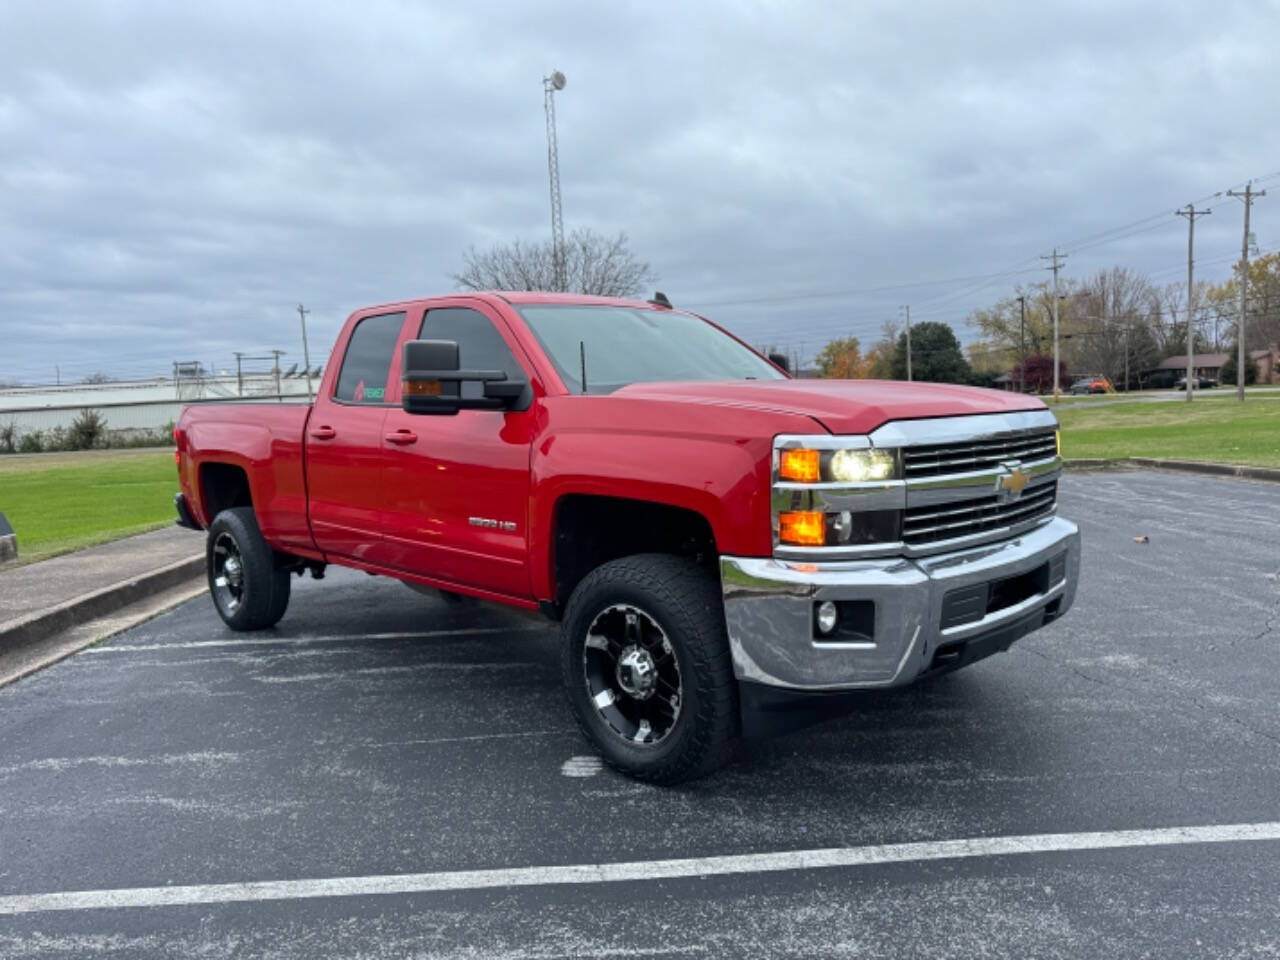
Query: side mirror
point(431, 382)
point(780, 360)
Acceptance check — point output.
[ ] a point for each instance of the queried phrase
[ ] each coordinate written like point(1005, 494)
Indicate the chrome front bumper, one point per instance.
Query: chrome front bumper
point(769, 606)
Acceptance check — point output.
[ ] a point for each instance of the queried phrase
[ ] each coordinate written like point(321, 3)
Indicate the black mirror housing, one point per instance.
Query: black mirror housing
point(780, 360)
point(431, 382)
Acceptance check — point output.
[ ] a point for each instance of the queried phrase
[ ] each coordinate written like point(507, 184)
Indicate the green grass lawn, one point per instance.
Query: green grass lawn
point(63, 501)
point(1217, 429)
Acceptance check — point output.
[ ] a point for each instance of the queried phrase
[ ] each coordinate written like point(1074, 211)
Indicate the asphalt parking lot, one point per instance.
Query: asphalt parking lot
point(378, 733)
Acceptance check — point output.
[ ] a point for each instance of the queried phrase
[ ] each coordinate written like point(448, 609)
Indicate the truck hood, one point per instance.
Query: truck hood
point(841, 406)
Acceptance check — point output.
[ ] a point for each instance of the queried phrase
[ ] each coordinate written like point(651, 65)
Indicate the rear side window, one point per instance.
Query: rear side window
point(480, 345)
point(363, 378)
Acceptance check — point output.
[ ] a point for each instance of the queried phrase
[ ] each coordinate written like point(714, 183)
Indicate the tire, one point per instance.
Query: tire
point(254, 593)
point(679, 627)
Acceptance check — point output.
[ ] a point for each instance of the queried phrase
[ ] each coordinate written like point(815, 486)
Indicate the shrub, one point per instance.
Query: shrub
point(88, 431)
point(141, 437)
point(1228, 373)
point(9, 438)
point(31, 442)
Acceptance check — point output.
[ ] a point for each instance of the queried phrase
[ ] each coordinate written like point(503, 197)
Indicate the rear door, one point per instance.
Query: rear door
point(456, 487)
point(344, 440)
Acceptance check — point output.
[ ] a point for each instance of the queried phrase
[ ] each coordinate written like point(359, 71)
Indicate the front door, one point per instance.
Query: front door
point(344, 442)
point(456, 486)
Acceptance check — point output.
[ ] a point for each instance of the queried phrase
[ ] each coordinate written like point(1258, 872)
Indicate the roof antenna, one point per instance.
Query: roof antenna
point(660, 300)
point(582, 357)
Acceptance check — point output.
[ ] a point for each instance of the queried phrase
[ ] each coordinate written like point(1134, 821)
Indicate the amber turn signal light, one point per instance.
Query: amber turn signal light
point(803, 466)
point(423, 388)
point(802, 528)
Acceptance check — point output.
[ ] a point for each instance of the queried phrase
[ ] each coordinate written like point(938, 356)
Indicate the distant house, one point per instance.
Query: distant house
point(1204, 365)
point(1268, 363)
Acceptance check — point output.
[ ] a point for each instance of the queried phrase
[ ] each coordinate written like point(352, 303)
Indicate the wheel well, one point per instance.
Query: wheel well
point(223, 486)
point(592, 530)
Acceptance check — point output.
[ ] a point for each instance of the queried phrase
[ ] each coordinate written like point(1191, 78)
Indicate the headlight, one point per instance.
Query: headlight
point(806, 465)
point(836, 492)
point(857, 466)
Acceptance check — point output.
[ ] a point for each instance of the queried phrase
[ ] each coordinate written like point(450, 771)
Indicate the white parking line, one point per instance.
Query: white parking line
point(631, 871)
point(582, 767)
point(301, 641)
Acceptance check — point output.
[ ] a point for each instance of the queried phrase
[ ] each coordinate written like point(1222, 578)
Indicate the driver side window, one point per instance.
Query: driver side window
point(480, 345)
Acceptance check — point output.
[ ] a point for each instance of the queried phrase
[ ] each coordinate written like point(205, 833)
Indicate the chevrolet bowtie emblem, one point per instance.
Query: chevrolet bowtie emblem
point(1011, 483)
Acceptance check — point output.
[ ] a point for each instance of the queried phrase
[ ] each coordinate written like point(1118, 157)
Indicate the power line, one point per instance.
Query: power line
point(828, 294)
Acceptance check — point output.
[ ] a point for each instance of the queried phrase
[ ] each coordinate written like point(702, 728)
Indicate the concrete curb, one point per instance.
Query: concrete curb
point(45, 623)
point(1214, 469)
point(1090, 463)
point(1269, 474)
point(8, 542)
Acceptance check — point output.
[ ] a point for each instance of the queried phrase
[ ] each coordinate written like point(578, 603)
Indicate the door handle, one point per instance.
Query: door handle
point(323, 433)
point(401, 438)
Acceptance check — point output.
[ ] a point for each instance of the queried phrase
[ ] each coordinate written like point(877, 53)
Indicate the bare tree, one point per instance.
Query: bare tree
point(98, 377)
point(1108, 310)
point(595, 264)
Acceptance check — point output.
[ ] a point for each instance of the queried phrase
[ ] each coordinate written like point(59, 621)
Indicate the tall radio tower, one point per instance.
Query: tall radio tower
point(549, 86)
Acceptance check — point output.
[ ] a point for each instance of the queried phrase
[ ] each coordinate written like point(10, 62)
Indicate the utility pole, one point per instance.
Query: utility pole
point(549, 87)
point(1056, 259)
point(306, 354)
point(1191, 213)
point(239, 376)
point(1126, 355)
point(275, 368)
point(907, 307)
point(1022, 345)
point(1241, 353)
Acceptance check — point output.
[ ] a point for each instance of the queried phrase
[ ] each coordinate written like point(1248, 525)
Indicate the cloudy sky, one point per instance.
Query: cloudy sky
point(175, 178)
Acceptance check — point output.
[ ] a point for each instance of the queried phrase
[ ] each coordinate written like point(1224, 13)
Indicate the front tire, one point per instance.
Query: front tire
point(646, 668)
point(250, 590)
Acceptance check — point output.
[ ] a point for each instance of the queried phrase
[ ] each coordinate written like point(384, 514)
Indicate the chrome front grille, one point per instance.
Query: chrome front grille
point(961, 519)
point(979, 454)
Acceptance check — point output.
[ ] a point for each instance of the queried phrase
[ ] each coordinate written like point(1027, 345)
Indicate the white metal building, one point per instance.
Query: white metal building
point(139, 404)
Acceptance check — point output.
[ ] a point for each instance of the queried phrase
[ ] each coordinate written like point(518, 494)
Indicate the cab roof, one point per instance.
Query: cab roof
point(521, 297)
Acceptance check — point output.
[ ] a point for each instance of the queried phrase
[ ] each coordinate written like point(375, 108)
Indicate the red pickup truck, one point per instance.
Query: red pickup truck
point(724, 546)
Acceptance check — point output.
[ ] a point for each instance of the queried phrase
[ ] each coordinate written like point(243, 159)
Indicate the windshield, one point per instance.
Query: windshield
point(626, 345)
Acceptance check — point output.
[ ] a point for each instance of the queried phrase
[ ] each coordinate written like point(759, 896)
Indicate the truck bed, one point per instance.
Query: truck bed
point(266, 441)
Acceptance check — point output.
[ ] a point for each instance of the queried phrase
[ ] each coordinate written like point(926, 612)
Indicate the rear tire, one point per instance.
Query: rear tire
point(250, 590)
point(645, 665)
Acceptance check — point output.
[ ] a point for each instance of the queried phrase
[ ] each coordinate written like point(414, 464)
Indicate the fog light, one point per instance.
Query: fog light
point(826, 616)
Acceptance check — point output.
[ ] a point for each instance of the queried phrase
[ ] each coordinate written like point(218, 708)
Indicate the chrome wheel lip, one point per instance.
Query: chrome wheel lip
point(640, 712)
point(228, 573)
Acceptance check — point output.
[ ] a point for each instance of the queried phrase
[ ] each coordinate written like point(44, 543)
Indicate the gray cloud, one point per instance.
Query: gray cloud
point(175, 178)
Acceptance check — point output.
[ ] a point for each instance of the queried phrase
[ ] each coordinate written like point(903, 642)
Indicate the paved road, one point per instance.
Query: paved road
point(379, 733)
point(1227, 392)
